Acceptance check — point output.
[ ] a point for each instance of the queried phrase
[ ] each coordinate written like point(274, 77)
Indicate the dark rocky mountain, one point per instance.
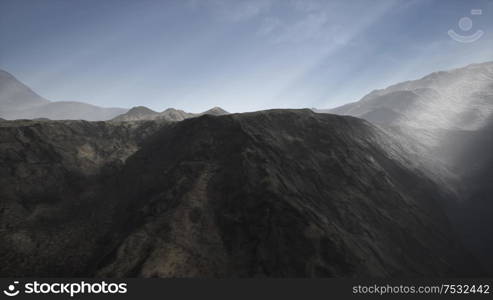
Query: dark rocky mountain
point(17, 101)
point(281, 193)
point(141, 113)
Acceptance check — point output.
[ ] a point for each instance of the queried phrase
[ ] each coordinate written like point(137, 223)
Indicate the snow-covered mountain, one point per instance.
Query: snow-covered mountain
point(18, 101)
point(456, 99)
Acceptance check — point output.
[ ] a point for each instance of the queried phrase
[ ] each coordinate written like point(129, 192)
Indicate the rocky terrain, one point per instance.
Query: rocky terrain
point(281, 193)
point(50, 172)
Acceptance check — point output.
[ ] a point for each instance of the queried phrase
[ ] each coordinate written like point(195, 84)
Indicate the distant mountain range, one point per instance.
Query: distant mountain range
point(140, 113)
point(18, 101)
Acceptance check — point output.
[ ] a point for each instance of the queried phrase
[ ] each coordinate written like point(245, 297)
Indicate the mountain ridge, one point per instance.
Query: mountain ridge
point(456, 99)
point(140, 113)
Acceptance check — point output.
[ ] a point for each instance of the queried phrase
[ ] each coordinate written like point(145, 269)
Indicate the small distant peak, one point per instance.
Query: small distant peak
point(140, 109)
point(216, 111)
point(137, 113)
point(170, 109)
point(173, 110)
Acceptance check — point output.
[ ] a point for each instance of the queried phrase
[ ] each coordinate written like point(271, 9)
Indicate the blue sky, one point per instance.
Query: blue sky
point(240, 55)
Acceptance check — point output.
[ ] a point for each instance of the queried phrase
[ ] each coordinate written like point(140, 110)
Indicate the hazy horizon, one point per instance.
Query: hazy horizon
point(239, 55)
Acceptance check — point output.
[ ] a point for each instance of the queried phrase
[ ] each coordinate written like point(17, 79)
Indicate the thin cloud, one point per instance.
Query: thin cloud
point(312, 26)
point(233, 11)
point(269, 26)
point(305, 21)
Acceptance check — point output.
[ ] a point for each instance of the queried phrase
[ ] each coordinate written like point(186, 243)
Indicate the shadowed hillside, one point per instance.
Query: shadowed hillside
point(282, 193)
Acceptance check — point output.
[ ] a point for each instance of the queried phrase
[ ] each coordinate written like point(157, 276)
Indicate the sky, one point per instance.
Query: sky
point(239, 55)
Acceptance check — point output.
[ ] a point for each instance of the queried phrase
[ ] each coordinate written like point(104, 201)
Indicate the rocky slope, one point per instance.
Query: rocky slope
point(282, 193)
point(445, 119)
point(461, 161)
point(17, 101)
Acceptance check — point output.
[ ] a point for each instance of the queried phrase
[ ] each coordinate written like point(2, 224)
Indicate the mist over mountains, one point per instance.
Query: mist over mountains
point(17, 101)
point(446, 120)
point(398, 186)
point(455, 99)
